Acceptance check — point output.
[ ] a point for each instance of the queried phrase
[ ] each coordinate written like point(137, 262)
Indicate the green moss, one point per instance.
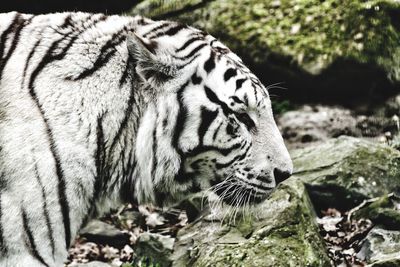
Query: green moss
point(381, 212)
point(281, 233)
point(281, 106)
point(358, 167)
point(310, 34)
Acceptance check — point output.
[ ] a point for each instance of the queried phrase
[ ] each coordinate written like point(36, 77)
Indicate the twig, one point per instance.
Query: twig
point(365, 202)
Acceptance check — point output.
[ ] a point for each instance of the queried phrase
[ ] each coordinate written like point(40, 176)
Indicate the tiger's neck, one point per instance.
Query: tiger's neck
point(115, 153)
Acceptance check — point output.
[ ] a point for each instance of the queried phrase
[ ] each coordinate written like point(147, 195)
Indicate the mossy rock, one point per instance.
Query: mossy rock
point(382, 211)
point(347, 170)
point(381, 247)
point(333, 46)
point(280, 232)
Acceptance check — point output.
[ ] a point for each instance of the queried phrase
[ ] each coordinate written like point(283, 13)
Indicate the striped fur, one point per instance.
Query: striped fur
point(96, 110)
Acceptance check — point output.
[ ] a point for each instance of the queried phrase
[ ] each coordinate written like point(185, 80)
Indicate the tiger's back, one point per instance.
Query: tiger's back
point(51, 101)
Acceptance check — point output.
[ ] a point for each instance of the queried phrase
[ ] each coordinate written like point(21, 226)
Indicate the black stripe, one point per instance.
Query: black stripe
point(170, 32)
point(216, 131)
point(224, 151)
point(214, 98)
point(99, 160)
point(127, 190)
point(207, 118)
point(194, 51)
point(102, 169)
point(154, 167)
point(180, 120)
point(165, 122)
point(239, 83)
point(179, 67)
point(179, 126)
point(28, 59)
point(6, 32)
point(124, 122)
point(255, 92)
point(246, 99)
point(21, 24)
point(105, 54)
point(237, 100)
point(157, 28)
point(209, 65)
point(45, 211)
point(236, 158)
point(251, 184)
point(30, 243)
point(196, 79)
point(125, 73)
point(229, 74)
point(62, 197)
point(189, 42)
point(222, 50)
point(67, 22)
point(141, 21)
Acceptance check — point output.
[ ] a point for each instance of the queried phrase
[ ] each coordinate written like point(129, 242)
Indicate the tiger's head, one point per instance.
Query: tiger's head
point(208, 124)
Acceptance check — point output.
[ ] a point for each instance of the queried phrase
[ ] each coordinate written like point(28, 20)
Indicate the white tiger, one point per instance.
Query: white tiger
point(96, 110)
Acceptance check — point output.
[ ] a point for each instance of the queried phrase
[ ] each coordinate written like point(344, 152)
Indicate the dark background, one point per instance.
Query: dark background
point(47, 6)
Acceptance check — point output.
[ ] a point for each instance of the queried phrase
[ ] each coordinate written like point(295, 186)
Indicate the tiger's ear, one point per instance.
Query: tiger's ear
point(153, 62)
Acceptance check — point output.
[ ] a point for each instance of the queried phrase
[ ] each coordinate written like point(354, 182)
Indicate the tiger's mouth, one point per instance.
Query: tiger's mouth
point(238, 193)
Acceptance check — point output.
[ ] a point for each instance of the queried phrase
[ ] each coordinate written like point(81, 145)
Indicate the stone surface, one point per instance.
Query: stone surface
point(385, 211)
point(381, 247)
point(341, 47)
point(347, 170)
point(103, 233)
point(155, 248)
point(318, 123)
point(281, 232)
point(91, 264)
point(310, 124)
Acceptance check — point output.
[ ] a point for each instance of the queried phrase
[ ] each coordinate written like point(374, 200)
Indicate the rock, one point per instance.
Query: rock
point(381, 247)
point(345, 171)
point(91, 264)
point(349, 48)
point(194, 205)
point(128, 218)
point(281, 232)
point(390, 108)
point(154, 248)
point(318, 123)
point(385, 211)
point(103, 233)
point(396, 142)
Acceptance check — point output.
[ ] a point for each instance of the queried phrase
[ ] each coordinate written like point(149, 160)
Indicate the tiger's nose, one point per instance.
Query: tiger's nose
point(280, 175)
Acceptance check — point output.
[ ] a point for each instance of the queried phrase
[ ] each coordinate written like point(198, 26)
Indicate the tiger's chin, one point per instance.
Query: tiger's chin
point(238, 195)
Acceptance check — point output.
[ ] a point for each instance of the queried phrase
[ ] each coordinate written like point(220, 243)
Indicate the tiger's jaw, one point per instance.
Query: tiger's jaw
point(239, 195)
point(236, 192)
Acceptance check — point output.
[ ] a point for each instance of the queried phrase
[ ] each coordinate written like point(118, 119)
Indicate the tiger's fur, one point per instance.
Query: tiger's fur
point(96, 110)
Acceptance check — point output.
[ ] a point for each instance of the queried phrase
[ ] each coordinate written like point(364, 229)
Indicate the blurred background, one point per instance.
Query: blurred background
point(332, 68)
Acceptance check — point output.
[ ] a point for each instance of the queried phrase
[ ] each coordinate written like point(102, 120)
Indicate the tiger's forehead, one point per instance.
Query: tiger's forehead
point(244, 85)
